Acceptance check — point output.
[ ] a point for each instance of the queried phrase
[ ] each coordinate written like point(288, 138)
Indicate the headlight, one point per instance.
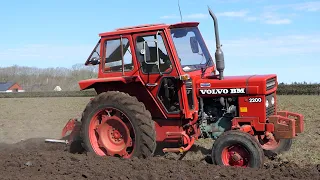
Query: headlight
point(267, 103)
point(272, 101)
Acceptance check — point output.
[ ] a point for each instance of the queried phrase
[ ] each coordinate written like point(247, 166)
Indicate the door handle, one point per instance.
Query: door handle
point(152, 84)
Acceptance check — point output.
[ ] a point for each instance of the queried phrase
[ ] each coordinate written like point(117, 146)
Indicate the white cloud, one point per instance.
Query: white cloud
point(265, 17)
point(271, 17)
point(278, 21)
point(308, 6)
point(170, 17)
point(272, 13)
point(241, 13)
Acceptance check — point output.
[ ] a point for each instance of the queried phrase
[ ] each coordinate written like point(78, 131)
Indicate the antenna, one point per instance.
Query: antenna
point(180, 10)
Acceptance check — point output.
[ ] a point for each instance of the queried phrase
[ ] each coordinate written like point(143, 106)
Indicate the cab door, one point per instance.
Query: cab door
point(158, 72)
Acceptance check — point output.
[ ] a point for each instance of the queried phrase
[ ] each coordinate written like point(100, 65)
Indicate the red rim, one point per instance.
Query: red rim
point(235, 155)
point(111, 133)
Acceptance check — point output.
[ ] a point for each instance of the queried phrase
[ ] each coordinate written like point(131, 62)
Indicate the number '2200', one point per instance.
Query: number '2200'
point(255, 100)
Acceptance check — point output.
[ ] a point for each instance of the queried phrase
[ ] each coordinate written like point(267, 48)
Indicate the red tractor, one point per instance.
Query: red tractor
point(157, 84)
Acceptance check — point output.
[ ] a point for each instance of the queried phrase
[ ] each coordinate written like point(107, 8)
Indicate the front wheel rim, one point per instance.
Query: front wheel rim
point(235, 155)
point(111, 133)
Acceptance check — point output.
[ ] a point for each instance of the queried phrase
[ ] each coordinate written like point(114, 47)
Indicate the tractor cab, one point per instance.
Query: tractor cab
point(165, 58)
point(180, 45)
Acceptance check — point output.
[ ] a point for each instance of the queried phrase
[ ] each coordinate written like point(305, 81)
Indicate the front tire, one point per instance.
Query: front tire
point(117, 124)
point(237, 148)
point(277, 146)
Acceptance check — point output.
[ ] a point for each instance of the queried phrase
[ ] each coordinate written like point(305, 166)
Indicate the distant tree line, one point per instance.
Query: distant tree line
point(34, 79)
point(296, 88)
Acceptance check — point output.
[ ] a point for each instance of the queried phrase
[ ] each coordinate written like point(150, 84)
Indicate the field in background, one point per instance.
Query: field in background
point(24, 118)
point(306, 147)
point(86, 93)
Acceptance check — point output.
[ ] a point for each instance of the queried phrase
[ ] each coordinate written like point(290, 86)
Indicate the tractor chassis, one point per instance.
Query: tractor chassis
point(284, 127)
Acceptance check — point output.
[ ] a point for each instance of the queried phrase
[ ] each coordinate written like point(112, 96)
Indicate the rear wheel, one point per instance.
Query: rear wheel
point(117, 124)
point(237, 148)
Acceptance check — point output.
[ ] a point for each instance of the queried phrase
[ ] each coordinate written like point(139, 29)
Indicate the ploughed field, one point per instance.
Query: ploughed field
point(25, 122)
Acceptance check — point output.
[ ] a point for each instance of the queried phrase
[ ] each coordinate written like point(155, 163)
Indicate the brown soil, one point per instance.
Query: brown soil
point(44, 117)
point(34, 159)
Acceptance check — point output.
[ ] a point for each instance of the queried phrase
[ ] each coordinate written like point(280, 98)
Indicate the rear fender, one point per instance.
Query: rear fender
point(132, 85)
point(89, 83)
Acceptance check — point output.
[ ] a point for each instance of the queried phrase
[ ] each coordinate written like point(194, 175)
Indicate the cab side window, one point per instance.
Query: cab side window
point(115, 52)
point(151, 50)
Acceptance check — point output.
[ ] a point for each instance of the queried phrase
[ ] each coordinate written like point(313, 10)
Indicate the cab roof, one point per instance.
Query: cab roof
point(147, 27)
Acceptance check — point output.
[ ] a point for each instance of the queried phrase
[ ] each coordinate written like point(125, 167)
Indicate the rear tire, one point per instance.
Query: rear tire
point(135, 127)
point(237, 148)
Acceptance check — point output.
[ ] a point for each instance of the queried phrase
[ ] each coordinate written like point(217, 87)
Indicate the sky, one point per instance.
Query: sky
point(258, 36)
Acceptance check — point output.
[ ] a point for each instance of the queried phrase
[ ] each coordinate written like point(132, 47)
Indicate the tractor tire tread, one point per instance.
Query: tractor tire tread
point(141, 116)
point(236, 134)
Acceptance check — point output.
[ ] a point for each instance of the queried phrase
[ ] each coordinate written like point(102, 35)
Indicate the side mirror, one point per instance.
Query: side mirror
point(94, 61)
point(194, 44)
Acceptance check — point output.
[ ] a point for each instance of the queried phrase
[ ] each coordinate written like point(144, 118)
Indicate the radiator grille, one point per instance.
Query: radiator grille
point(271, 83)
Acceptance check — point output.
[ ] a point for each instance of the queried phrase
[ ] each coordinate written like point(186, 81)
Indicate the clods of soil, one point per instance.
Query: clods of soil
point(35, 159)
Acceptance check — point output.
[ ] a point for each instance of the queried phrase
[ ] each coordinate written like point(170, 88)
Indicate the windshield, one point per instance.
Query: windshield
point(191, 48)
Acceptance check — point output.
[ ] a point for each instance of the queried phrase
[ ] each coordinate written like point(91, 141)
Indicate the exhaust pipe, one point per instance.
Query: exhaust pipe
point(219, 54)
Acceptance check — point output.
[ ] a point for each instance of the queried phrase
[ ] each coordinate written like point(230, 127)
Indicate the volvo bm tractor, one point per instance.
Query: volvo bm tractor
point(158, 86)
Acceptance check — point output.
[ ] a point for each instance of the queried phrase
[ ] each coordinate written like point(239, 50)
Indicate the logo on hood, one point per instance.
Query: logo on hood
point(224, 91)
point(205, 85)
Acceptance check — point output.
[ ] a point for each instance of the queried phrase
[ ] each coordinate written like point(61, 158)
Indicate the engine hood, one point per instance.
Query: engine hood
point(249, 84)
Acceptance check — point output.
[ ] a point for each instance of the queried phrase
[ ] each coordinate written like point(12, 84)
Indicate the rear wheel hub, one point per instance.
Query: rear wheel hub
point(110, 134)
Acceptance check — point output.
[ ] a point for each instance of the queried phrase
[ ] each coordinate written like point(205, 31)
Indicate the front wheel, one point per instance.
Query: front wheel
point(117, 124)
point(276, 146)
point(237, 148)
